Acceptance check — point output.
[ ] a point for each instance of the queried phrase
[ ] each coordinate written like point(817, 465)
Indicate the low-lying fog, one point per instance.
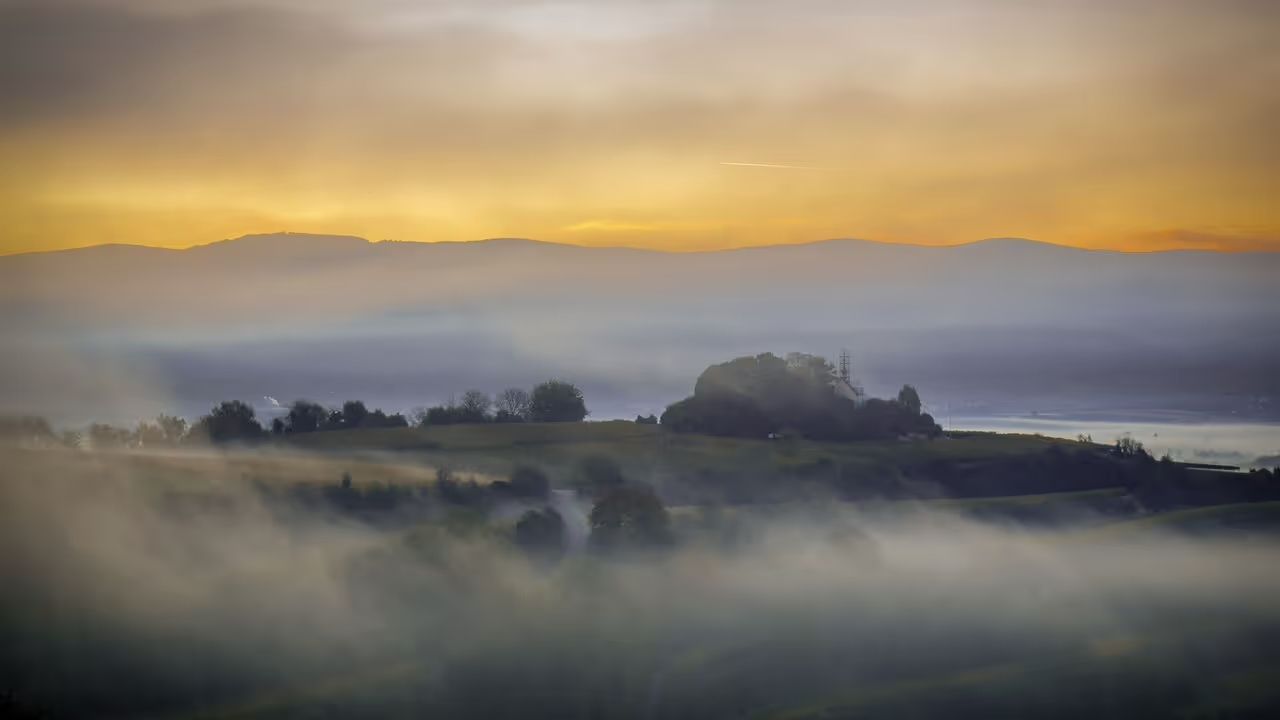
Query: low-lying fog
point(1226, 443)
point(1000, 327)
point(123, 597)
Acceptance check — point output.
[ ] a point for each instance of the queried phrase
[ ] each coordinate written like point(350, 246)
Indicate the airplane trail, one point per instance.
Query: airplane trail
point(772, 165)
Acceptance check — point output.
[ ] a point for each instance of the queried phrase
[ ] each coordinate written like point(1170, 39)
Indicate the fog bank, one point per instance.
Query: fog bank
point(138, 595)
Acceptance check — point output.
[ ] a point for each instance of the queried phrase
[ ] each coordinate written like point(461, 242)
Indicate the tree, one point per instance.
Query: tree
point(166, 431)
point(629, 516)
point(513, 405)
point(909, 399)
point(557, 401)
point(229, 421)
point(475, 406)
point(306, 416)
point(440, 415)
point(529, 482)
point(148, 435)
point(541, 533)
point(354, 414)
point(649, 419)
point(719, 414)
point(173, 428)
point(30, 430)
point(102, 436)
point(379, 419)
point(1126, 446)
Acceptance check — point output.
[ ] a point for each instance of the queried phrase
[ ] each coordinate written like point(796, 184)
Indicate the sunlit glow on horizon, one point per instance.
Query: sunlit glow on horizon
point(1135, 125)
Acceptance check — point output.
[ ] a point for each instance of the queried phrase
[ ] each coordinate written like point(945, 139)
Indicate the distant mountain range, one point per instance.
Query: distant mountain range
point(1001, 325)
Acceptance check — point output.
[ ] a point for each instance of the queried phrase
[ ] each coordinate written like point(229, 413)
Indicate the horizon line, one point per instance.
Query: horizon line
point(664, 251)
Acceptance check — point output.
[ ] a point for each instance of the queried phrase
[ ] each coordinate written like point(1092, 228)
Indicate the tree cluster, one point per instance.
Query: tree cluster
point(234, 421)
point(766, 396)
point(551, 401)
point(30, 431)
point(35, 432)
point(229, 421)
point(1127, 447)
point(626, 515)
point(307, 416)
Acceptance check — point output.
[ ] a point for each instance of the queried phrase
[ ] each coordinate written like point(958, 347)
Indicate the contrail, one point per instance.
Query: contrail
point(772, 165)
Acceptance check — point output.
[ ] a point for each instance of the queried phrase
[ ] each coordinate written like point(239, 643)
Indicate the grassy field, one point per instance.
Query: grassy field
point(649, 452)
point(1023, 501)
point(626, 438)
point(412, 457)
point(195, 471)
point(1238, 517)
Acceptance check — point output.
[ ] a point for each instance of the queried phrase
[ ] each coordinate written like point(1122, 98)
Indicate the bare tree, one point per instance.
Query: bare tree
point(513, 403)
point(475, 405)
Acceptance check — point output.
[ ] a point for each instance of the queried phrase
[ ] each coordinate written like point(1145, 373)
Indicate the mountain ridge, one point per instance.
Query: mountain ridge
point(300, 239)
point(1002, 324)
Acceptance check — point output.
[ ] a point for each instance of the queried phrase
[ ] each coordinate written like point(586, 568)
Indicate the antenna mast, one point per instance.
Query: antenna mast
point(846, 376)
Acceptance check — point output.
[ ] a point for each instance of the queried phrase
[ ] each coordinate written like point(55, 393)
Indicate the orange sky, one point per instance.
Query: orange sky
point(1129, 124)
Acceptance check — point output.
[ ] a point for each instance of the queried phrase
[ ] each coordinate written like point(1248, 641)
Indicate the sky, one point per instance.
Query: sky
point(677, 125)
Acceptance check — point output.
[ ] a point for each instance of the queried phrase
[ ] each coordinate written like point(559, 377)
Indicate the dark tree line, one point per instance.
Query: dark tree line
point(307, 416)
point(234, 421)
point(35, 432)
point(551, 401)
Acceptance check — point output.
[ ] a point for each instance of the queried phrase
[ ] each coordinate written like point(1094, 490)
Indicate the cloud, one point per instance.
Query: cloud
point(625, 226)
point(142, 121)
point(772, 165)
point(1219, 242)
